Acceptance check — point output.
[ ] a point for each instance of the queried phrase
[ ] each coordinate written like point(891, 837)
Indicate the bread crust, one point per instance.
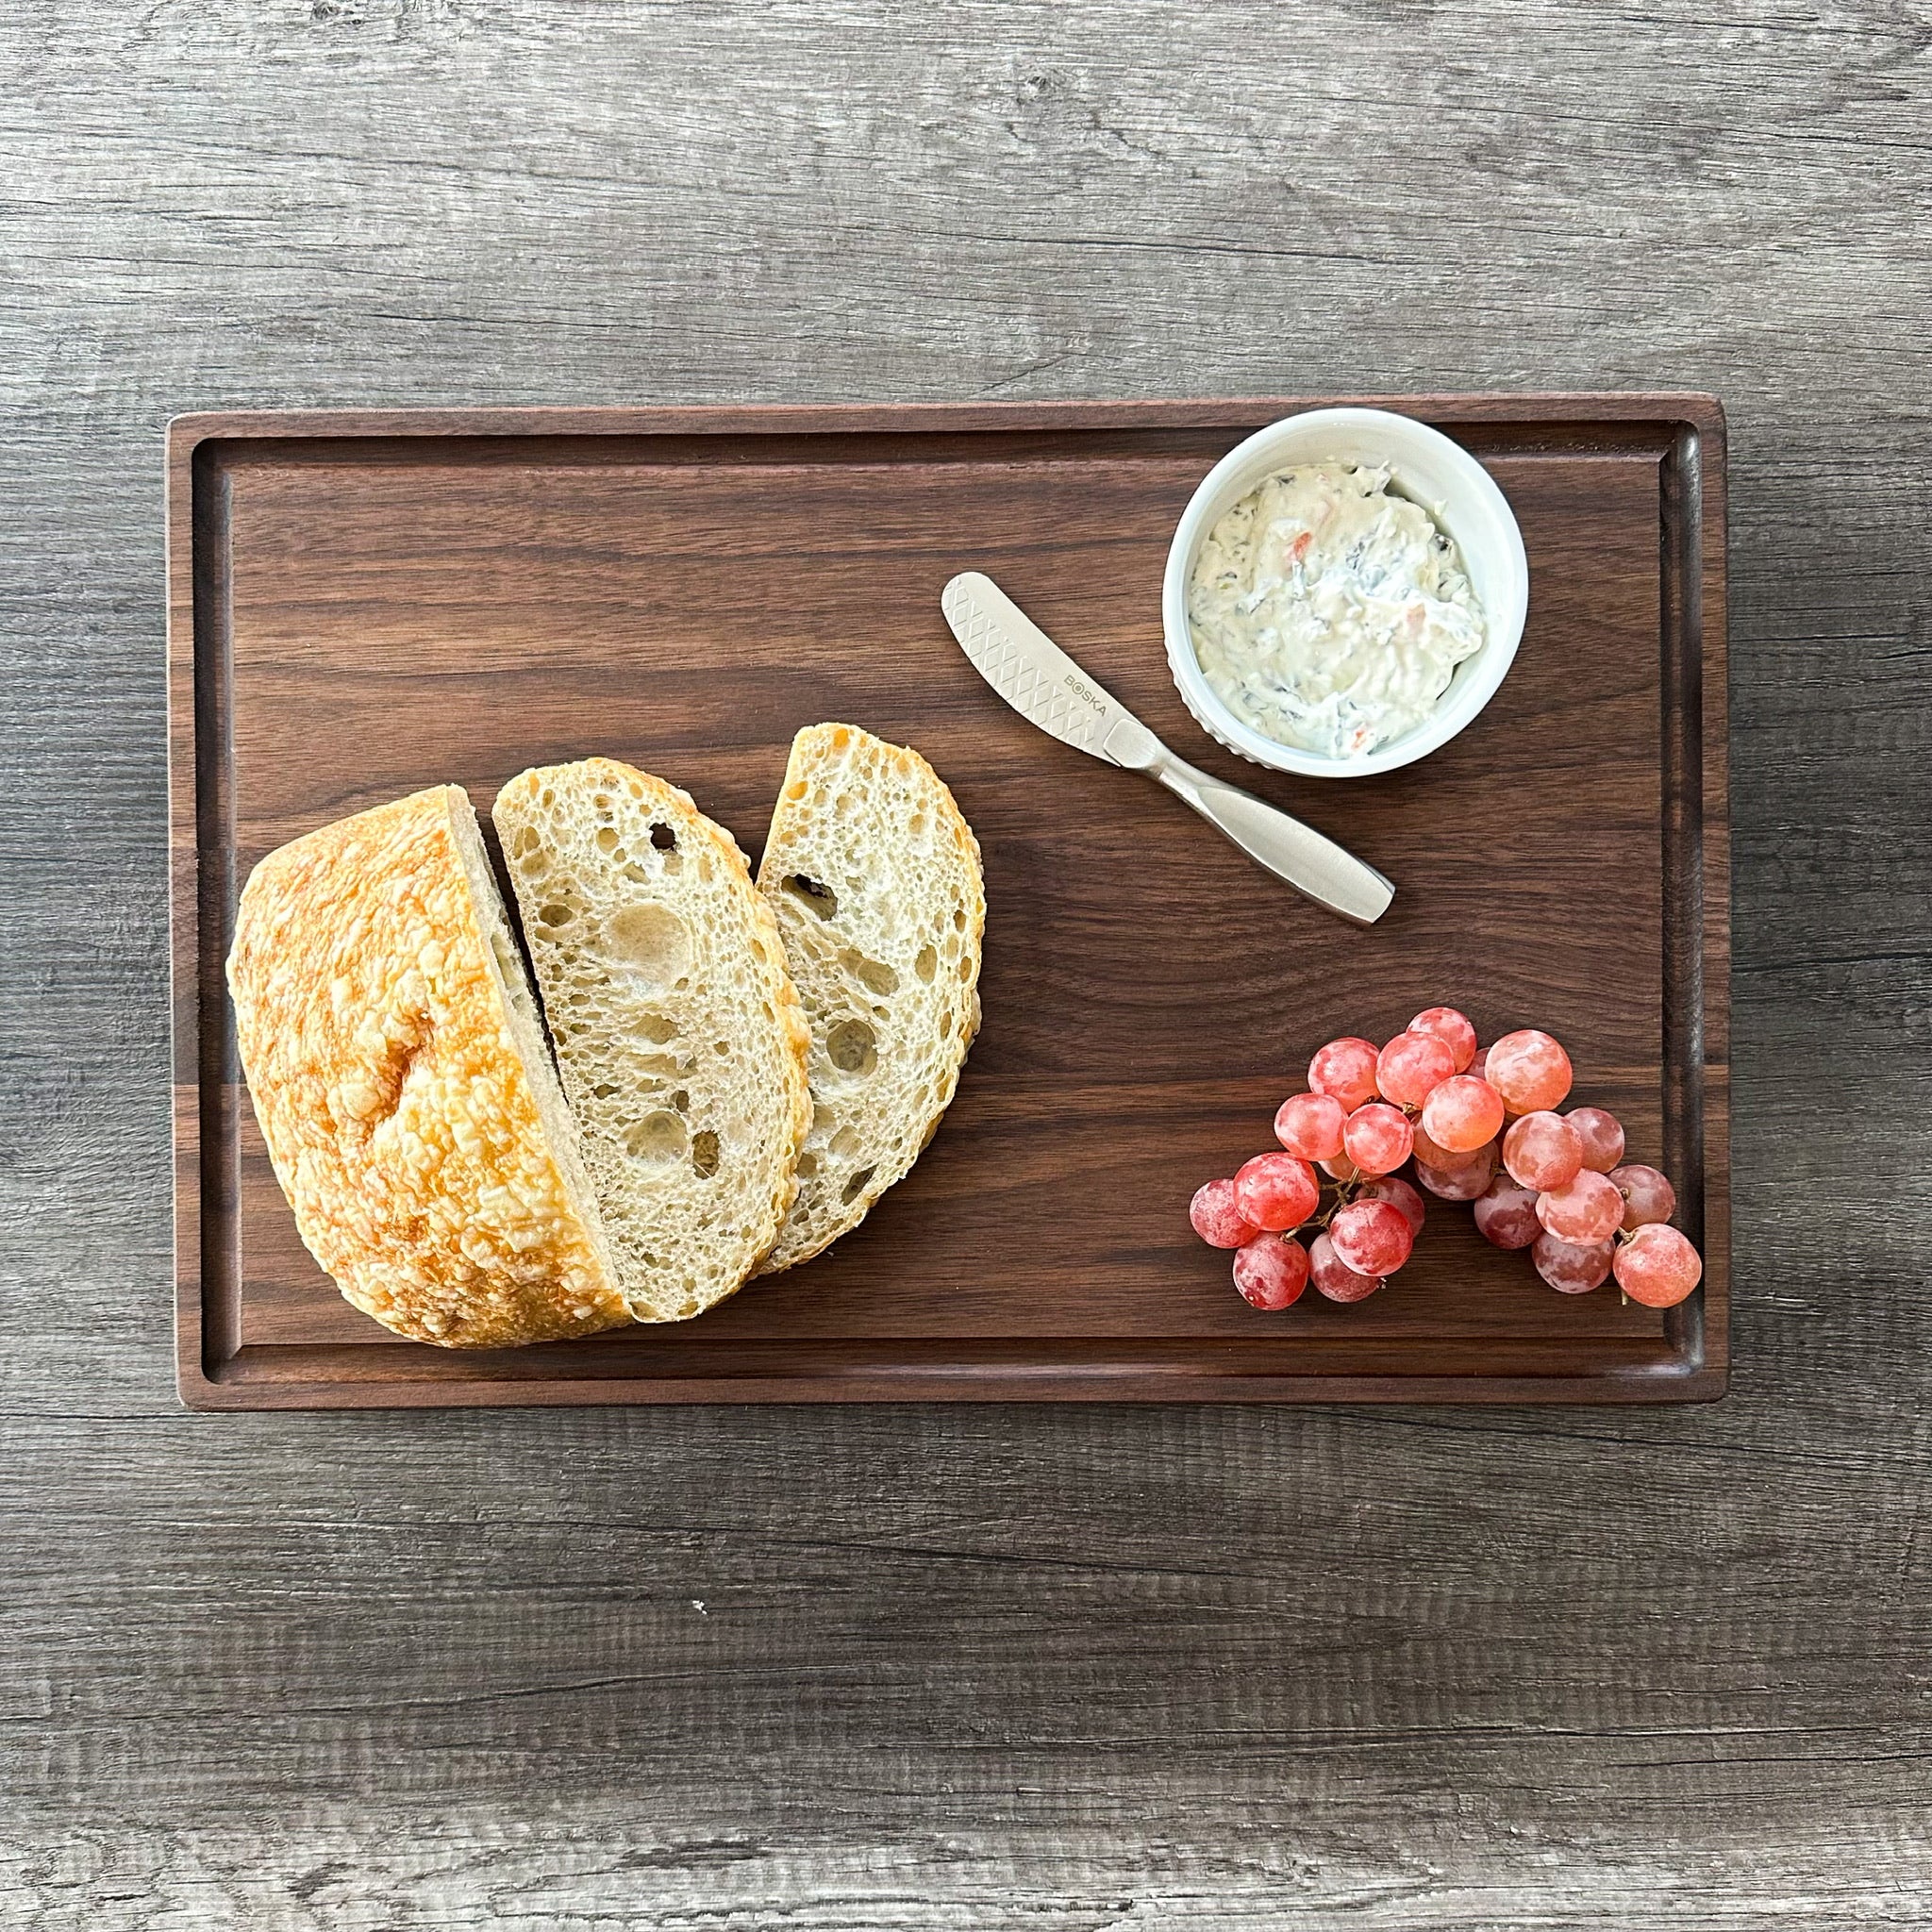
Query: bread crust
point(804, 1235)
point(519, 813)
point(396, 1106)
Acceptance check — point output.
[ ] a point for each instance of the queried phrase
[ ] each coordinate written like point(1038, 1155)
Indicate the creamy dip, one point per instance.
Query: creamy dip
point(1328, 614)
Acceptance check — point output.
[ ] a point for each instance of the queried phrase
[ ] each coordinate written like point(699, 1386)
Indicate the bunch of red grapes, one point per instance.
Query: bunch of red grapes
point(1481, 1124)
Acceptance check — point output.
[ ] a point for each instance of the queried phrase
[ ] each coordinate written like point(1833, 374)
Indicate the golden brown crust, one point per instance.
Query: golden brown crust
point(395, 1105)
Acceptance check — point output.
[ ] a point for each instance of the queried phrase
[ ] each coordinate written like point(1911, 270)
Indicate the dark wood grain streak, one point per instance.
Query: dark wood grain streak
point(375, 611)
point(1049, 1668)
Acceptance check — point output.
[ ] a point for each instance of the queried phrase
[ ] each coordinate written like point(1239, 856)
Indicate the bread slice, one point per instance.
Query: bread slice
point(875, 879)
point(400, 1076)
point(677, 1032)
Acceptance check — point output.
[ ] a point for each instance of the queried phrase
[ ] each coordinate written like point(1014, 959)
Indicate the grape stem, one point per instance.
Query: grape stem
point(1344, 1193)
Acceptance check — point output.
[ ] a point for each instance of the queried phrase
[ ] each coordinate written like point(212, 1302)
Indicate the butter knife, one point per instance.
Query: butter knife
point(1047, 688)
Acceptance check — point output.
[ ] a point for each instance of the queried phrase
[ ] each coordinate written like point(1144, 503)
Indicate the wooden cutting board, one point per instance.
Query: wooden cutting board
point(362, 604)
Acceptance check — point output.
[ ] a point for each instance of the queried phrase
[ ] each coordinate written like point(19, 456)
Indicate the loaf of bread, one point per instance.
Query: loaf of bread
point(400, 1076)
point(875, 880)
point(677, 1032)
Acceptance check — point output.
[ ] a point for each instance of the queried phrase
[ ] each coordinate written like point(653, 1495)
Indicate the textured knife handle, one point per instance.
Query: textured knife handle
point(1313, 865)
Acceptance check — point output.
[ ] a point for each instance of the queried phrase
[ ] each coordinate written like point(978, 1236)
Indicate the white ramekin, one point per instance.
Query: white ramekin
point(1427, 468)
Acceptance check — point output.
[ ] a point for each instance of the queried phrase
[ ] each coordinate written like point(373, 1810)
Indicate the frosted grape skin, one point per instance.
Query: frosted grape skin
point(1505, 1214)
point(1346, 1069)
point(1657, 1266)
point(1465, 1183)
point(1601, 1134)
point(1411, 1067)
point(1270, 1271)
point(1648, 1196)
point(1570, 1267)
point(1377, 1138)
point(1542, 1150)
point(1309, 1125)
point(1374, 1237)
point(1452, 1028)
point(1398, 1192)
point(1529, 1069)
point(1333, 1278)
point(1587, 1209)
point(1275, 1191)
point(1216, 1217)
point(1463, 1114)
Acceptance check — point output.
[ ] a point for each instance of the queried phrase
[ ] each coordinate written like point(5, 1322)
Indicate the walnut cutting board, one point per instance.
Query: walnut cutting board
point(363, 604)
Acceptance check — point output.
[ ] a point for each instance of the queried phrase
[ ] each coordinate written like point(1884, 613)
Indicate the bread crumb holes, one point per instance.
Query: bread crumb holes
point(657, 1139)
point(852, 1047)
point(813, 892)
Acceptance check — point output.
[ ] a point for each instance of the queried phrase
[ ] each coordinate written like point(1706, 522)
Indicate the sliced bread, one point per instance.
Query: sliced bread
point(400, 1076)
point(677, 1032)
point(875, 880)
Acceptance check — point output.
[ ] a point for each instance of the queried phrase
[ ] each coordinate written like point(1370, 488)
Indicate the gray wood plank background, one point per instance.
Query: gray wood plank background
point(992, 1669)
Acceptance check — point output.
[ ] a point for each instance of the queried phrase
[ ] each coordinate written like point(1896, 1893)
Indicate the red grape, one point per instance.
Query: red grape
point(1570, 1267)
point(1270, 1271)
point(1411, 1067)
point(1377, 1138)
point(1430, 1154)
point(1400, 1195)
point(1275, 1191)
point(1507, 1214)
point(1309, 1125)
point(1541, 1151)
point(1334, 1278)
point(1529, 1070)
point(1346, 1069)
point(1452, 1029)
point(1372, 1237)
point(1602, 1135)
point(1217, 1220)
point(1586, 1210)
point(1482, 1126)
point(1463, 1114)
point(1657, 1266)
point(1647, 1196)
point(1463, 1183)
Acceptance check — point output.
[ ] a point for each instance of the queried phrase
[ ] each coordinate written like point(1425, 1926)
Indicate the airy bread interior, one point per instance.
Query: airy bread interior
point(874, 877)
point(505, 960)
point(678, 1035)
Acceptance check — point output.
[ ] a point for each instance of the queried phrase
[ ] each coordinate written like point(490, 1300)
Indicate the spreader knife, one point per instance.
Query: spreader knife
point(1049, 690)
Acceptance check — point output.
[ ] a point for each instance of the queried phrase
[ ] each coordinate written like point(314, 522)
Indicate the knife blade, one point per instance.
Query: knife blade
point(1049, 690)
point(1030, 671)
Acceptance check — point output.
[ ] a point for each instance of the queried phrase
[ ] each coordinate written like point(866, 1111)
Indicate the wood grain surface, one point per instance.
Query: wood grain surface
point(1002, 1668)
point(683, 588)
